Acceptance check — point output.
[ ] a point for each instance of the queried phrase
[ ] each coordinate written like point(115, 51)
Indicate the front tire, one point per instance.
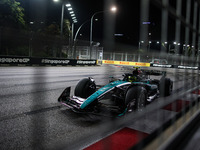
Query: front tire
point(85, 88)
point(136, 98)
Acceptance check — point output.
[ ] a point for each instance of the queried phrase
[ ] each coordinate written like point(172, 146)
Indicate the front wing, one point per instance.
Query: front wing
point(71, 102)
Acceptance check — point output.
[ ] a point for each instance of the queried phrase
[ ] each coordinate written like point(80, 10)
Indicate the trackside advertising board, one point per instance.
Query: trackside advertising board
point(126, 63)
point(12, 60)
point(141, 64)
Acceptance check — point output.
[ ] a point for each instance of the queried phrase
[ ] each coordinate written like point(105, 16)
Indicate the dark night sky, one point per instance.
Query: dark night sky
point(127, 17)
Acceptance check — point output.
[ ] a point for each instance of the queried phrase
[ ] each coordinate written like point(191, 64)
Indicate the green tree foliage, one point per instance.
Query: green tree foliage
point(66, 28)
point(52, 29)
point(11, 14)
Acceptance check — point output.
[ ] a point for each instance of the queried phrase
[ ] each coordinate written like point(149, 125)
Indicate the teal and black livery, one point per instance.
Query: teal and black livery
point(117, 97)
point(102, 91)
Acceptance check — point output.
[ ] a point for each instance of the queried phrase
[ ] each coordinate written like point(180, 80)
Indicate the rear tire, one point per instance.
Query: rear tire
point(166, 86)
point(85, 88)
point(136, 98)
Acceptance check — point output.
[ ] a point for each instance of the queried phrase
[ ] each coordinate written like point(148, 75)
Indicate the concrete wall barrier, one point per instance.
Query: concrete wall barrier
point(29, 61)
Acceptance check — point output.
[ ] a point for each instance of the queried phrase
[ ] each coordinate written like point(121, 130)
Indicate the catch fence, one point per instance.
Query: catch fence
point(169, 122)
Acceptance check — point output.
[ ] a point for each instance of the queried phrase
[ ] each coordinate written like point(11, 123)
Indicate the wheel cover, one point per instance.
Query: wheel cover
point(138, 101)
point(141, 102)
point(131, 105)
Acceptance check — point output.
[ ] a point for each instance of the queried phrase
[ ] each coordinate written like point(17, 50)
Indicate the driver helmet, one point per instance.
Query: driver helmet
point(132, 78)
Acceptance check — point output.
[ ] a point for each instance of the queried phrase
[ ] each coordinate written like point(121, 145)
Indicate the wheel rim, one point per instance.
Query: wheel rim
point(141, 102)
point(131, 105)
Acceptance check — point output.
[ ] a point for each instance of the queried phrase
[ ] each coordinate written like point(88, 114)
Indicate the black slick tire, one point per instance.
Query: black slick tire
point(85, 88)
point(166, 86)
point(136, 98)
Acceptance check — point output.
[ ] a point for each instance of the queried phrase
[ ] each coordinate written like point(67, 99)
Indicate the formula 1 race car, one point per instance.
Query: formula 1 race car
point(119, 96)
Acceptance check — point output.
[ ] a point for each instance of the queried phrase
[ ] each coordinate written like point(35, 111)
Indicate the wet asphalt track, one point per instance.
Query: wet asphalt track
point(31, 117)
